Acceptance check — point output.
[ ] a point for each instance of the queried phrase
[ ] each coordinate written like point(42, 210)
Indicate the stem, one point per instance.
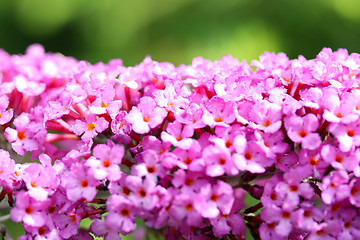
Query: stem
point(254, 208)
point(316, 188)
point(198, 132)
point(58, 125)
point(127, 162)
point(135, 137)
point(54, 137)
point(4, 218)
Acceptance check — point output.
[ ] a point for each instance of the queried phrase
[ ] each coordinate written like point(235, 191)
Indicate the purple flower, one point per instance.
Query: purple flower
point(28, 210)
point(146, 115)
point(79, 183)
point(89, 129)
point(302, 130)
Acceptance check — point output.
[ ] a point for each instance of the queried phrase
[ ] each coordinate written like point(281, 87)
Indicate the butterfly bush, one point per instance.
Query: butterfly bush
point(179, 148)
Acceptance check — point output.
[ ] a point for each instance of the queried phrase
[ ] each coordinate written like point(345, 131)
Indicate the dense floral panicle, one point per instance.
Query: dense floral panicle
point(178, 147)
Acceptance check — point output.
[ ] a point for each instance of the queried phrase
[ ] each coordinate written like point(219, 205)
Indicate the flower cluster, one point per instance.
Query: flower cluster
point(180, 147)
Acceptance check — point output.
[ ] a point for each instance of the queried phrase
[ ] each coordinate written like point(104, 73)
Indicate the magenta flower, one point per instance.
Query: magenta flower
point(335, 187)
point(40, 181)
point(5, 115)
point(178, 135)
point(7, 168)
point(182, 210)
point(89, 129)
point(281, 218)
point(105, 162)
point(67, 224)
point(121, 214)
point(249, 156)
point(101, 229)
point(348, 135)
point(214, 200)
point(78, 183)
point(217, 112)
point(302, 130)
point(22, 138)
point(28, 210)
point(146, 116)
point(218, 160)
point(143, 192)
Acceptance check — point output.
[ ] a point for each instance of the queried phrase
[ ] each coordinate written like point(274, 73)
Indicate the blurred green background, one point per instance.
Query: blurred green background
point(179, 30)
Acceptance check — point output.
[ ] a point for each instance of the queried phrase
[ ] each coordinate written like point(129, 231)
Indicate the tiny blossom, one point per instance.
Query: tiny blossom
point(79, 184)
point(178, 135)
point(218, 113)
point(301, 130)
point(214, 200)
point(106, 160)
point(348, 135)
point(335, 187)
point(7, 168)
point(218, 160)
point(28, 210)
point(90, 128)
point(280, 217)
point(121, 214)
point(22, 138)
point(5, 115)
point(249, 156)
point(146, 116)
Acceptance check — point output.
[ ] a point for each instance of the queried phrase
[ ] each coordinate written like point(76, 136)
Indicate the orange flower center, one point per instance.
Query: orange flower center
point(90, 126)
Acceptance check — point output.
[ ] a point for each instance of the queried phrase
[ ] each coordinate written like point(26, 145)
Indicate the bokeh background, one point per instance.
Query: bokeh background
point(177, 30)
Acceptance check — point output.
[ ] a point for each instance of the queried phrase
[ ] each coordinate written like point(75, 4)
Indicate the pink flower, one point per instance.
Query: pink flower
point(23, 138)
point(335, 187)
point(89, 129)
point(146, 115)
point(7, 168)
point(105, 162)
point(100, 228)
point(249, 156)
point(40, 181)
point(143, 193)
point(28, 210)
point(302, 130)
point(348, 135)
point(214, 200)
point(266, 116)
point(178, 135)
point(217, 112)
point(182, 209)
point(339, 110)
point(78, 183)
point(218, 160)
point(281, 218)
point(121, 214)
point(5, 115)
